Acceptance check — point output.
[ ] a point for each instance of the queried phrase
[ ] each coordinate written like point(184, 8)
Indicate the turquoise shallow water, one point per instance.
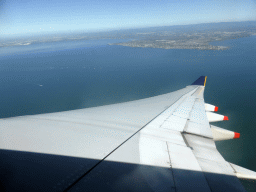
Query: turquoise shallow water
point(61, 76)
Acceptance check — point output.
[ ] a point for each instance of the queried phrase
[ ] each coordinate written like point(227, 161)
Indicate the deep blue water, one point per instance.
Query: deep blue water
point(61, 76)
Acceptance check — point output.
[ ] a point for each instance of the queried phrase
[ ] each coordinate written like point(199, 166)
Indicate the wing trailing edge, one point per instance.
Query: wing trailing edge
point(243, 173)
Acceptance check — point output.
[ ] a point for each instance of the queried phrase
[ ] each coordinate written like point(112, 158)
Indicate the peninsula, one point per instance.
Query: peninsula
point(190, 37)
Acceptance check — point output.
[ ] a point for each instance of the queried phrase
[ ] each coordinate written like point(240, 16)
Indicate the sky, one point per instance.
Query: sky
point(25, 17)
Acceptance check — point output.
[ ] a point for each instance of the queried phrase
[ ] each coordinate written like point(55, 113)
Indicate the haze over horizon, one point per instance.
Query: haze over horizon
point(37, 17)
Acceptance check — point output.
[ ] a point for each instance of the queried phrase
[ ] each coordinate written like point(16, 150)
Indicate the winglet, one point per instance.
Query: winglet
point(200, 81)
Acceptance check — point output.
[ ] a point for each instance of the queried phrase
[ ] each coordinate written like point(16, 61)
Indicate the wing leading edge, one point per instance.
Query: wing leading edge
point(163, 143)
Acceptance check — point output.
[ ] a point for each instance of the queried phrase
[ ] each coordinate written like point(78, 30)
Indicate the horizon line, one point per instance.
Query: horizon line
point(111, 29)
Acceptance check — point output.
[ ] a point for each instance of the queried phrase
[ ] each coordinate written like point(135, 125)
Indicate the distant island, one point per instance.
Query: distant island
point(197, 36)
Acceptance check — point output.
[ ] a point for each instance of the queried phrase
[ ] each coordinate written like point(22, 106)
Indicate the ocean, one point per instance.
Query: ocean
point(60, 76)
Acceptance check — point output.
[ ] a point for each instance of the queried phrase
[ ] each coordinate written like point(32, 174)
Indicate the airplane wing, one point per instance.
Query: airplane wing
point(162, 143)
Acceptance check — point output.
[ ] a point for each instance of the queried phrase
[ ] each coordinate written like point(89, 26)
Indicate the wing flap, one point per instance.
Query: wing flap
point(183, 162)
point(203, 148)
point(219, 174)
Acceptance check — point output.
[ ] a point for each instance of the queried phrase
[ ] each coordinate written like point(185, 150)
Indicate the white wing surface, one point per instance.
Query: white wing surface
point(162, 143)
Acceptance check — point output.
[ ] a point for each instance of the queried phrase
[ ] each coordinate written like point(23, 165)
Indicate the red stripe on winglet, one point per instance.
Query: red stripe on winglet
point(216, 108)
point(225, 118)
point(237, 135)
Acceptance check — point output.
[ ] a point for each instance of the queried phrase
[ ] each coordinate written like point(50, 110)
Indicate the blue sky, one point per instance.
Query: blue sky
point(25, 17)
